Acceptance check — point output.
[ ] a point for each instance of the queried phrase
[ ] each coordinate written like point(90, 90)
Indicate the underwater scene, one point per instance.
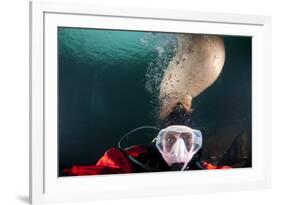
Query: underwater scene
point(138, 101)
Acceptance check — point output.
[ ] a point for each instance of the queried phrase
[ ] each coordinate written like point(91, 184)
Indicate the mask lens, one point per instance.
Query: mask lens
point(170, 139)
point(187, 138)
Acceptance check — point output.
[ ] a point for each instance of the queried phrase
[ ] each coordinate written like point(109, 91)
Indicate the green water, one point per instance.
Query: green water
point(108, 85)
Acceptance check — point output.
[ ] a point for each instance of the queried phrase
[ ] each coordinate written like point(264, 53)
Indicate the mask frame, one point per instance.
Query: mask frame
point(171, 156)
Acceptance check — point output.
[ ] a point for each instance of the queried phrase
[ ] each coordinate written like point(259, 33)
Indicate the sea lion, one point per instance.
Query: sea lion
point(196, 65)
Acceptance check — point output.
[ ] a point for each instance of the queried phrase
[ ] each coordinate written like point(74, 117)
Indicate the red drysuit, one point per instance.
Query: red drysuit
point(115, 161)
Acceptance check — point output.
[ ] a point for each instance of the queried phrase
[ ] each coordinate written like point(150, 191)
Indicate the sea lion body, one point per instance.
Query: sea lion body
point(197, 64)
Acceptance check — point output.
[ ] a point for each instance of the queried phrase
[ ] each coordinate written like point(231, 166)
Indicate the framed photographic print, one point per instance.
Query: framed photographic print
point(129, 102)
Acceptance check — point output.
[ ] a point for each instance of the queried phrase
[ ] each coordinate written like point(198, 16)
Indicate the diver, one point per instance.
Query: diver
point(177, 147)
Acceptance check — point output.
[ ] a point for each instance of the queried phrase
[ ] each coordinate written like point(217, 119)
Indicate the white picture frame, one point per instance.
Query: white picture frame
point(46, 186)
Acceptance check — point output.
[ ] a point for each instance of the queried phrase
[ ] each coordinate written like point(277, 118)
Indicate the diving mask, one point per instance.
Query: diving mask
point(178, 144)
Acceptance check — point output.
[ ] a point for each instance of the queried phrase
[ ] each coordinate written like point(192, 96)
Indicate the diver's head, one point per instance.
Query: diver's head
point(178, 116)
point(178, 144)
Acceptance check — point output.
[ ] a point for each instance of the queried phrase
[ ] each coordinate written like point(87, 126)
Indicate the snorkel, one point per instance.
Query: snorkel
point(146, 167)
